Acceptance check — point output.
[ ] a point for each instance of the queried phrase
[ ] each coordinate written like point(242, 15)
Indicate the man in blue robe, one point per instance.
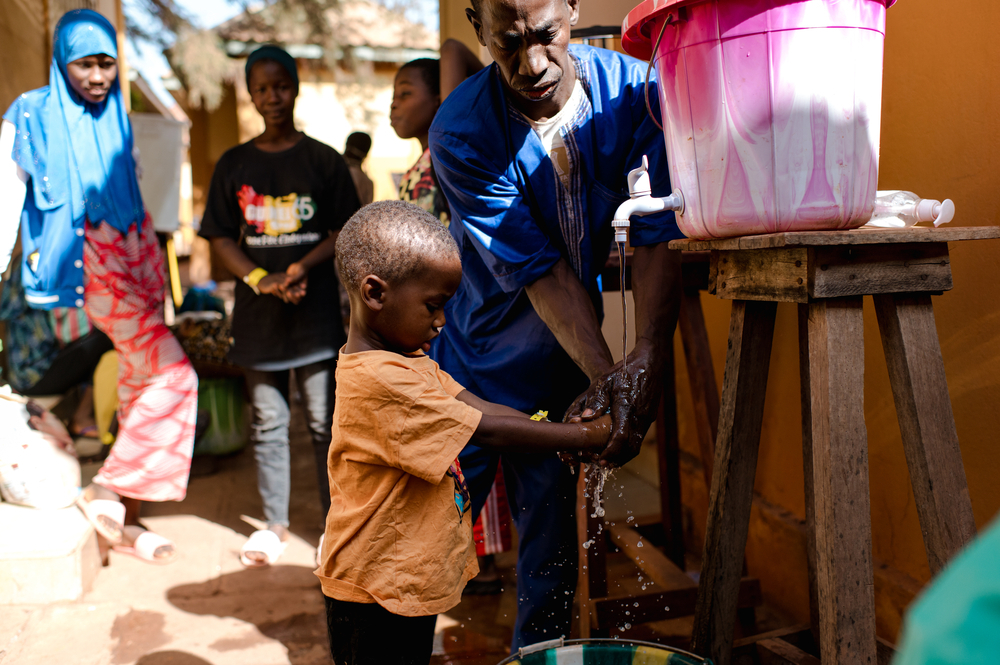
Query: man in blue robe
point(532, 154)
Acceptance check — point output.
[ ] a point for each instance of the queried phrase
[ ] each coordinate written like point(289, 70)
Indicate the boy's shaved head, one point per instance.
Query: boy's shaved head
point(390, 239)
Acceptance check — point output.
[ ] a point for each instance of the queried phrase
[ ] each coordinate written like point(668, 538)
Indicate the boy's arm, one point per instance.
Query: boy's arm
point(238, 263)
point(508, 430)
point(517, 434)
point(489, 408)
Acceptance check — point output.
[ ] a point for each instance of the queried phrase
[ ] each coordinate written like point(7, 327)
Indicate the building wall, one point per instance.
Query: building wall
point(940, 139)
point(24, 49)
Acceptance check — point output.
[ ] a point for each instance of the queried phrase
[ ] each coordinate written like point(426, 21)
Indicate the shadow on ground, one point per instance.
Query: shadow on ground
point(297, 620)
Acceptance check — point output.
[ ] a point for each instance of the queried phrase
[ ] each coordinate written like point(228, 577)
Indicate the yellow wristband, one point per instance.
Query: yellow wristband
point(252, 279)
point(541, 415)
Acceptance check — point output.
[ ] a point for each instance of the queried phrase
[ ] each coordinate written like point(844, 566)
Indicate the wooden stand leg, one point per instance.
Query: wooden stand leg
point(841, 504)
point(807, 464)
point(701, 375)
point(926, 422)
point(751, 331)
point(592, 579)
point(668, 456)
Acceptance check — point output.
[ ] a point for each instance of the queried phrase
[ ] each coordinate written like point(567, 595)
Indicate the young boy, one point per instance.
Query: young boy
point(273, 210)
point(398, 545)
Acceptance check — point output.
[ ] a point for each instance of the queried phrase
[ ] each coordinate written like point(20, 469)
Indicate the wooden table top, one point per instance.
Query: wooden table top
point(862, 236)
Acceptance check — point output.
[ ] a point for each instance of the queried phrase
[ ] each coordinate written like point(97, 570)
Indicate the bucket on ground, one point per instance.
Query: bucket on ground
point(222, 399)
point(771, 109)
point(602, 652)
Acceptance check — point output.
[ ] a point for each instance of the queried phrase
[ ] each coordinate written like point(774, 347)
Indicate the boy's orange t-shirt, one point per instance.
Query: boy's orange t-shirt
point(399, 530)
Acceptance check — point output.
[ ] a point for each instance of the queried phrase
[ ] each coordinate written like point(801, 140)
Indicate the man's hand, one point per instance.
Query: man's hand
point(631, 397)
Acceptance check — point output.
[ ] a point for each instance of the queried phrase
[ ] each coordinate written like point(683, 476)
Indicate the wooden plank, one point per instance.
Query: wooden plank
point(774, 275)
point(862, 236)
point(841, 504)
point(776, 651)
point(592, 578)
point(862, 270)
point(650, 560)
point(750, 334)
point(885, 651)
point(927, 425)
point(701, 378)
point(783, 633)
point(613, 612)
point(669, 462)
point(807, 463)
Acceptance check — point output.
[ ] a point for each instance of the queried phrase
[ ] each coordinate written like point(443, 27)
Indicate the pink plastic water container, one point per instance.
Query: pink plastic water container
point(771, 109)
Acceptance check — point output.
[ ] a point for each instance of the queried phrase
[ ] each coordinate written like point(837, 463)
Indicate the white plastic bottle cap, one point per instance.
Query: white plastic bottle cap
point(944, 213)
point(926, 210)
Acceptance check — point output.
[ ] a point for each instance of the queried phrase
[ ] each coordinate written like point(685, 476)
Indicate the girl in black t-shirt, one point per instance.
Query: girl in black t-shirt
point(274, 208)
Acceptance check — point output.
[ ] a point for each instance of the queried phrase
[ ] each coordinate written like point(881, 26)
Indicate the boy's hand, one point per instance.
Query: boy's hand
point(597, 432)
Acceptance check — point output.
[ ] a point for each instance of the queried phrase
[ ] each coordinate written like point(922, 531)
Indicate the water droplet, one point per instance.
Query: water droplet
point(627, 613)
point(635, 604)
point(639, 544)
point(627, 626)
point(27, 115)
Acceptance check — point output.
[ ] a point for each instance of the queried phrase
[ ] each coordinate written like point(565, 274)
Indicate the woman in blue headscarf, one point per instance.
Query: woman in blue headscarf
point(88, 242)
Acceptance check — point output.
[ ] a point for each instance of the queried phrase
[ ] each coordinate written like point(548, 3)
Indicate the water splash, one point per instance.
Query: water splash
point(598, 475)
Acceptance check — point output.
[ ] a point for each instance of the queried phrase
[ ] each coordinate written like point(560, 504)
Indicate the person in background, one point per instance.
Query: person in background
point(956, 619)
point(274, 208)
point(418, 90)
point(51, 352)
point(415, 100)
point(532, 154)
point(355, 152)
point(88, 242)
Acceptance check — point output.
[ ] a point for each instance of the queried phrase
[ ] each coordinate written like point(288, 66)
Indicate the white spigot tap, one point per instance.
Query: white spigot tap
point(641, 202)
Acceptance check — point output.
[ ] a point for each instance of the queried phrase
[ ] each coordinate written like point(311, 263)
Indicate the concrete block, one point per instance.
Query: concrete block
point(45, 555)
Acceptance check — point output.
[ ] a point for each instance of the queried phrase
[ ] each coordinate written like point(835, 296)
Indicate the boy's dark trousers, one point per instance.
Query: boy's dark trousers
point(368, 634)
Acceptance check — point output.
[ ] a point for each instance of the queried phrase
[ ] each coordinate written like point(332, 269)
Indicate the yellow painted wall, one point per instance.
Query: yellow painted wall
point(941, 102)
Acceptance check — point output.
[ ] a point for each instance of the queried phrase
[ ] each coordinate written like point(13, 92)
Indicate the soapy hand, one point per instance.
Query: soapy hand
point(630, 397)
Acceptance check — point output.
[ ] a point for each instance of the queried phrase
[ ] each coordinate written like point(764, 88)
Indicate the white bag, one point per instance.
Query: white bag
point(35, 470)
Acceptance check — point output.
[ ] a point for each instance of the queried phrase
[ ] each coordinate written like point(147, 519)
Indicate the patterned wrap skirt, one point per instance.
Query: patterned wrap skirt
point(157, 387)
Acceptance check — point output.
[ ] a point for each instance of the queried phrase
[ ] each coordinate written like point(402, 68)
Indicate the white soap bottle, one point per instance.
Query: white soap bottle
point(896, 209)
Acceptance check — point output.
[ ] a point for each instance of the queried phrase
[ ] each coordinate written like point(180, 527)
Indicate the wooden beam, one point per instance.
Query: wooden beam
point(783, 633)
point(669, 463)
point(650, 560)
point(927, 425)
point(863, 236)
point(780, 275)
point(751, 331)
point(867, 269)
point(701, 377)
point(841, 504)
point(615, 611)
point(775, 651)
point(592, 577)
point(885, 651)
